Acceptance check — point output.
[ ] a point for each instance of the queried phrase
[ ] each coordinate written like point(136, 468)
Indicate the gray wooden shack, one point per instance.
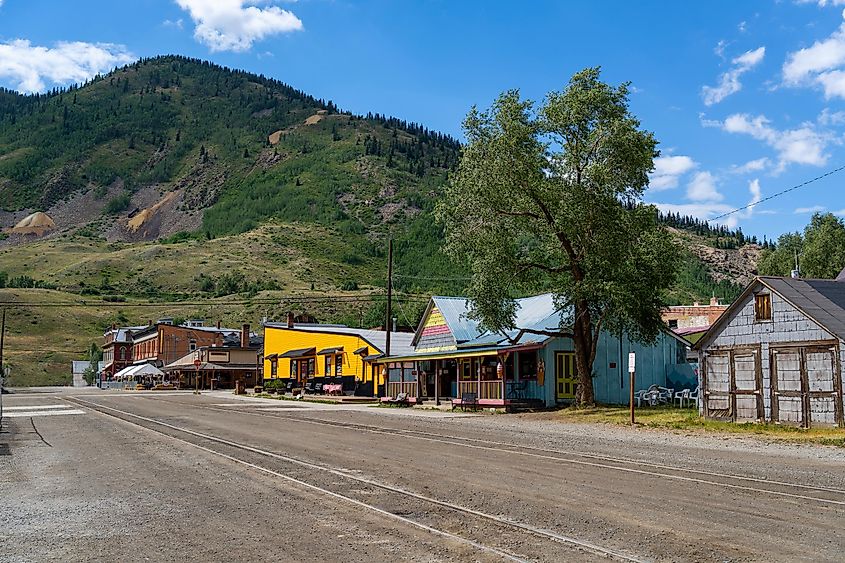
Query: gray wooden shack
point(775, 355)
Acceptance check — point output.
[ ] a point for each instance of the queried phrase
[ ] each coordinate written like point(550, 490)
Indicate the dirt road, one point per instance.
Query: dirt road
point(173, 476)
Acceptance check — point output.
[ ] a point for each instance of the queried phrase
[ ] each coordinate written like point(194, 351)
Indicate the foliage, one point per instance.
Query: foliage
point(545, 199)
point(118, 203)
point(23, 282)
point(233, 282)
point(820, 250)
point(95, 356)
point(694, 282)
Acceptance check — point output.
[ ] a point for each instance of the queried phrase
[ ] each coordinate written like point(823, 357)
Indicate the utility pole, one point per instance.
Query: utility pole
point(2, 366)
point(389, 320)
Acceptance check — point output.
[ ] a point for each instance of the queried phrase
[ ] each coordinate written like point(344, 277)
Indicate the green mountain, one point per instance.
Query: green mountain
point(180, 151)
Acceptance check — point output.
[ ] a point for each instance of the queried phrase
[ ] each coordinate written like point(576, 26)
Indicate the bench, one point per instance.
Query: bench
point(466, 400)
point(401, 399)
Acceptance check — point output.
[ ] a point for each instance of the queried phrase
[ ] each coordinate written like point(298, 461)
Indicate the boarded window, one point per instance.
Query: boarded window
point(763, 307)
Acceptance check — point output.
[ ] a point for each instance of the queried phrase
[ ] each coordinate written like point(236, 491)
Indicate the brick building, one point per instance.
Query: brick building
point(693, 316)
point(163, 342)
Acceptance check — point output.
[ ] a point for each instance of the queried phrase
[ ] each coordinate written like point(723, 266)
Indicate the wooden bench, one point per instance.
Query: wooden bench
point(402, 399)
point(466, 400)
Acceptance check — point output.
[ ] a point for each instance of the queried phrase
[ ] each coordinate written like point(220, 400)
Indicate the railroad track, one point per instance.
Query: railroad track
point(492, 535)
point(829, 496)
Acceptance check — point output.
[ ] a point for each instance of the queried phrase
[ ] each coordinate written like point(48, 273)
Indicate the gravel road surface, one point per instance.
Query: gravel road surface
point(107, 475)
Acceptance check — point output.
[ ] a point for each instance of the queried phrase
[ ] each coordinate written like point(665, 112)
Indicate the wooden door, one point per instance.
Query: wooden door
point(565, 377)
point(747, 386)
point(717, 389)
point(805, 386)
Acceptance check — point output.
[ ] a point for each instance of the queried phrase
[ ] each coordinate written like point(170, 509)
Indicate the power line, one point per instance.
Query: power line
point(780, 193)
point(257, 302)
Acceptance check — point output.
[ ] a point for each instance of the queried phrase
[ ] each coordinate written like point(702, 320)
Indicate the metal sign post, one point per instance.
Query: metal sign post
point(632, 368)
point(197, 363)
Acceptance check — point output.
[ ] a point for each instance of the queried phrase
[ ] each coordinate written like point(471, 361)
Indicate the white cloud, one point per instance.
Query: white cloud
point(742, 27)
point(755, 165)
point(703, 188)
point(234, 25)
point(819, 64)
point(668, 170)
point(729, 81)
point(822, 3)
point(709, 210)
point(32, 68)
point(178, 24)
point(827, 117)
point(803, 145)
point(812, 209)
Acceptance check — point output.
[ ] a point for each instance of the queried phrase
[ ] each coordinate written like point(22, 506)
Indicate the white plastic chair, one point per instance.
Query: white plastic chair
point(696, 396)
point(682, 396)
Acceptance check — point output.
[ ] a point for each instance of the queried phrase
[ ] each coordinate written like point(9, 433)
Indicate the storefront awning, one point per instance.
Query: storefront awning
point(361, 350)
point(271, 357)
point(299, 353)
point(372, 357)
point(327, 351)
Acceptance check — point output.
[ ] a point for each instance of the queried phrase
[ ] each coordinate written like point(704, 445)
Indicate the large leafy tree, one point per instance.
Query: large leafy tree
point(547, 198)
point(820, 250)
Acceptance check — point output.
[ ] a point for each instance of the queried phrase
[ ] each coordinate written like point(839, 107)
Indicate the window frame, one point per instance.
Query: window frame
point(763, 307)
point(338, 365)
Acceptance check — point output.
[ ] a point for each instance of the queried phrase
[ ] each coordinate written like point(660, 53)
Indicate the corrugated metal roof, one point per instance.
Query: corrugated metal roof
point(455, 311)
point(538, 313)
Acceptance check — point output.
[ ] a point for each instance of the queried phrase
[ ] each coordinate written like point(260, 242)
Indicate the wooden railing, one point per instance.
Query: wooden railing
point(396, 387)
point(491, 389)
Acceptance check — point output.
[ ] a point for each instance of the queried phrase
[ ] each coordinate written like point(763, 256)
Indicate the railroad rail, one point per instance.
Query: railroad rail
point(434, 518)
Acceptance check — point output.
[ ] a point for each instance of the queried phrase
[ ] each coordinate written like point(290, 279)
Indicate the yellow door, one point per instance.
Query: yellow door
point(565, 374)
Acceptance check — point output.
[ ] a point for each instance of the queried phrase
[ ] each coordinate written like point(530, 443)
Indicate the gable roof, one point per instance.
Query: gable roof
point(536, 313)
point(822, 301)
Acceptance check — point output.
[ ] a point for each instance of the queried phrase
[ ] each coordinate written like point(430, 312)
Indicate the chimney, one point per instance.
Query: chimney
point(245, 336)
point(795, 274)
point(114, 326)
point(150, 322)
point(696, 304)
point(218, 323)
point(290, 319)
point(714, 301)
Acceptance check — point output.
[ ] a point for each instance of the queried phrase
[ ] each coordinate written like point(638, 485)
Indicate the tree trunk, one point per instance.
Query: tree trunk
point(583, 343)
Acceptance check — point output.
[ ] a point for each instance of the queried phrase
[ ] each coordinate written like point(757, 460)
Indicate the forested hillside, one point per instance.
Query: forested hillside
point(183, 152)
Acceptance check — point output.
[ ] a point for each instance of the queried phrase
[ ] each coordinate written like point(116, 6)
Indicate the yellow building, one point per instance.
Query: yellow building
point(327, 353)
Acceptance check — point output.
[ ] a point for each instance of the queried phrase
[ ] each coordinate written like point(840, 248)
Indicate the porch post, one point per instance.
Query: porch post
point(478, 376)
point(436, 383)
point(501, 362)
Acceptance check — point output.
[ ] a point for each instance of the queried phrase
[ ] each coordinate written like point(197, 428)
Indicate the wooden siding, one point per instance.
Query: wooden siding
point(278, 340)
point(782, 343)
point(435, 336)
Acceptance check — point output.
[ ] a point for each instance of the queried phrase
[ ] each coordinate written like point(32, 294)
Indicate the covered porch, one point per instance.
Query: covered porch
point(497, 378)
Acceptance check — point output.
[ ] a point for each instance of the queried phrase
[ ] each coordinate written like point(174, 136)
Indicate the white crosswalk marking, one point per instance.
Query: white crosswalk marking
point(21, 411)
point(19, 414)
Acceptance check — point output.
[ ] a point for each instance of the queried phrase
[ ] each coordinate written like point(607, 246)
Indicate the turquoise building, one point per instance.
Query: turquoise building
point(452, 356)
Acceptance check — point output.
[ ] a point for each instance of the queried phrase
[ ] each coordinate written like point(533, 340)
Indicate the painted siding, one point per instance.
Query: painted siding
point(435, 336)
point(788, 326)
point(612, 384)
point(278, 340)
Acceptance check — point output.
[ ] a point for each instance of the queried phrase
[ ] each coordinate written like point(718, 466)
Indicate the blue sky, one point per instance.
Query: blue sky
point(746, 98)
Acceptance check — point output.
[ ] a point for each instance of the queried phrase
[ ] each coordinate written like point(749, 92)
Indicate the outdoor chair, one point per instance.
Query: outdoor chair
point(289, 386)
point(309, 388)
point(665, 395)
point(639, 397)
point(695, 396)
point(318, 389)
point(466, 400)
point(681, 397)
point(401, 399)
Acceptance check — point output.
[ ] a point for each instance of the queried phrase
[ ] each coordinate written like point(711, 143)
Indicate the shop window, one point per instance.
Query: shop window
point(762, 307)
point(294, 369)
point(528, 365)
point(312, 363)
point(274, 368)
point(328, 371)
point(338, 365)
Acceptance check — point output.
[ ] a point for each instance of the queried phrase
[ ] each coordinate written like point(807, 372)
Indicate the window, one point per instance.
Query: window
point(762, 307)
point(528, 365)
point(123, 353)
point(338, 364)
point(293, 369)
point(192, 345)
point(328, 370)
point(274, 367)
point(673, 323)
point(312, 362)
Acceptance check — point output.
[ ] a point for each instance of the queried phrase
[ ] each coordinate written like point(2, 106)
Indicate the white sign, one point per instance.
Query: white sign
point(632, 362)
